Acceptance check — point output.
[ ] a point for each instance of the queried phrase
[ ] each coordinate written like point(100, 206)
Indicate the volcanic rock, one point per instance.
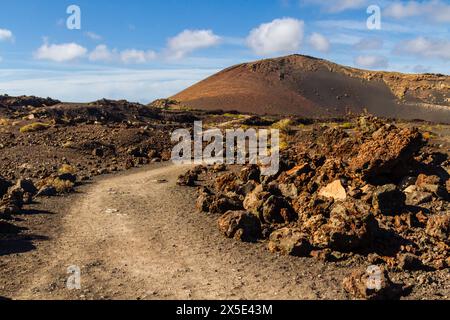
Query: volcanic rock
point(277, 210)
point(438, 226)
point(334, 190)
point(240, 225)
point(387, 148)
point(372, 283)
point(351, 226)
point(290, 241)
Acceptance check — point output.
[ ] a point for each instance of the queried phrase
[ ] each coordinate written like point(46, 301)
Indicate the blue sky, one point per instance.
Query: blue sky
point(142, 50)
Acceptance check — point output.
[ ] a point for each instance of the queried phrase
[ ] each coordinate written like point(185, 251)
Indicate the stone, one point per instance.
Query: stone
point(240, 225)
point(334, 190)
point(423, 180)
point(431, 184)
point(254, 200)
point(288, 190)
point(350, 227)
point(438, 226)
point(250, 173)
point(289, 241)
point(388, 147)
point(417, 198)
point(219, 167)
point(226, 182)
point(222, 204)
point(14, 196)
point(204, 201)
point(299, 169)
point(410, 189)
point(247, 188)
point(372, 283)
point(277, 210)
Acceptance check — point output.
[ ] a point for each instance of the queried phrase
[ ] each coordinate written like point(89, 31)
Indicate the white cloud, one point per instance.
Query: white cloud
point(319, 42)
point(102, 53)
point(425, 47)
point(371, 61)
point(279, 36)
point(60, 52)
point(5, 34)
point(336, 6)
point(369, 44)
point(84, 86)
point(93, 36)
point(434, 10)
point(189, 41)
point(137, 56)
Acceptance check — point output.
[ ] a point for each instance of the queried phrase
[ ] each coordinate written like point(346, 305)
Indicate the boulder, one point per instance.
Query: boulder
point(240, 225)
point(226, 182)
point(350, 227)
point(388, 147)
point(424, 180)
point(254, 200)
point(219, 167)
point(12, 202)
point(223, 203)
point(334, 190)
point(299, 169)
point(288, 190)
point(204, 200)
point(277, 210)
point(289, 241)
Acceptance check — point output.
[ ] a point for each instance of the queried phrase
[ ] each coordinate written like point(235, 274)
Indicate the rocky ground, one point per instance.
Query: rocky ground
point(377, 194)
point(351, 193)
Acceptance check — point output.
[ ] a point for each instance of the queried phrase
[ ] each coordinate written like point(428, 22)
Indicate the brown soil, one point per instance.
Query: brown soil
point(305, 86)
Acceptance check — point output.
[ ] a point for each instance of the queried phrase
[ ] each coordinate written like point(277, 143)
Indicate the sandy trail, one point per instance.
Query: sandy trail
point(135, 237)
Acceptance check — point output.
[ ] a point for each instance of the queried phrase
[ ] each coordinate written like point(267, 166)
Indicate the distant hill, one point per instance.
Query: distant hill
point(306, 86)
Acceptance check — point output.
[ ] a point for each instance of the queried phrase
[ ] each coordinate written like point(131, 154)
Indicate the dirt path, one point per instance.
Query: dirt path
point(135, 237)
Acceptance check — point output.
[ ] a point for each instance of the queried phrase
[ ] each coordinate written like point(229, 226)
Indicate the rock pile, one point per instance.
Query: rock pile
point(377, 193)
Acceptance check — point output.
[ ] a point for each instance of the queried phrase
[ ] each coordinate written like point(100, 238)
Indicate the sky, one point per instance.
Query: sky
point(141, 50)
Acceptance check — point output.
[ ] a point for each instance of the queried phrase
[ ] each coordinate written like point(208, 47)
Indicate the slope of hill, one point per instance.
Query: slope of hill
point(306, 86)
